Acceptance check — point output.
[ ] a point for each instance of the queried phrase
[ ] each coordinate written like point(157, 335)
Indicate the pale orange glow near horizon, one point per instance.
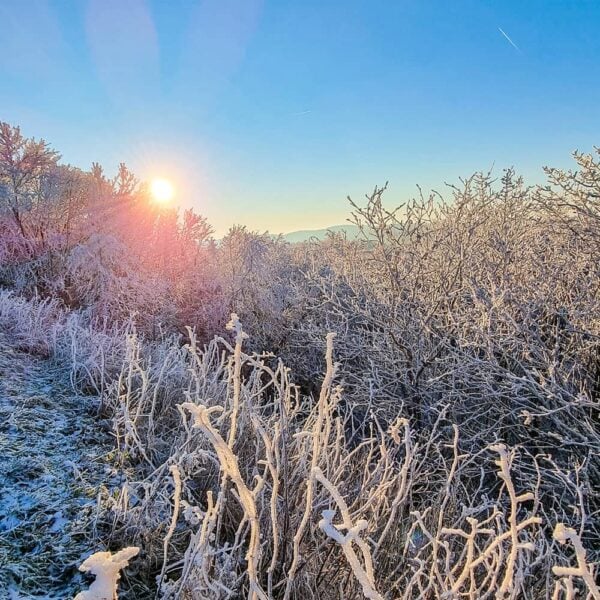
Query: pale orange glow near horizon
point(162, 190)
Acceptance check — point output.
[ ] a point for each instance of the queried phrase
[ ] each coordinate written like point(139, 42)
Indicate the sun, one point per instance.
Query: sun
point(162, 190)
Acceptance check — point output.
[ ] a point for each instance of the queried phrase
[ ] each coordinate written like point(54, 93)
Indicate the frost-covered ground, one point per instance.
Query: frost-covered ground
point(54, 453)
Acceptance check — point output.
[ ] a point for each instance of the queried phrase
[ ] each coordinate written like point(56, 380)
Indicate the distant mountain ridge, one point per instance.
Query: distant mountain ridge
point(295, 237)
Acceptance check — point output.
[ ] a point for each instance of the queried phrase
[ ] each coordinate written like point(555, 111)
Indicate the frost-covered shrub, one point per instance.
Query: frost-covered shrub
point(393, 514)
point(451, 451)
point(96, 268)
point(480, 308)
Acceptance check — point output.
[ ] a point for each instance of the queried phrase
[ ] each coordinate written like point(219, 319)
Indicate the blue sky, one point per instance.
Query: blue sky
point(269, 113)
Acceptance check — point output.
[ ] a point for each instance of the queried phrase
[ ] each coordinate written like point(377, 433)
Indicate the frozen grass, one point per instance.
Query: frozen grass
point(54, 461)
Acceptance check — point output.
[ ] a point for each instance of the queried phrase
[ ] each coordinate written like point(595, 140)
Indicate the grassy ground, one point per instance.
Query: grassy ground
point(55, 454)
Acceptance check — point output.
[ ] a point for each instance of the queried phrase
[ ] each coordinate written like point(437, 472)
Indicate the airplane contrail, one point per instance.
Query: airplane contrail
point(509, 40)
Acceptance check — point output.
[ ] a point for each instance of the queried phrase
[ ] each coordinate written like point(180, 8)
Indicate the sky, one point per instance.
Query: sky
point(270, 113)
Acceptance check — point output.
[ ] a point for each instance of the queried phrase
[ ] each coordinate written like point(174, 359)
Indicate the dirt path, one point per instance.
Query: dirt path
point(53, 461)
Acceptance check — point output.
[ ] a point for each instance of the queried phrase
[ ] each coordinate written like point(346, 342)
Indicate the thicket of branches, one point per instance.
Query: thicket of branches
point(413, 415)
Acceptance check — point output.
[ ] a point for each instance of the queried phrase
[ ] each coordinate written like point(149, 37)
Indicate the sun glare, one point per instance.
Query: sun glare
point(162, 190)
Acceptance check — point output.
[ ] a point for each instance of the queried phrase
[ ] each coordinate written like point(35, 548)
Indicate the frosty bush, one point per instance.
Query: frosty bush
point(100, 244)
point(419, 517)
point(413, 415)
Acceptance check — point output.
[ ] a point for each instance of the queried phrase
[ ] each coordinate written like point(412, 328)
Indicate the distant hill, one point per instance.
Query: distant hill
point(294, 237)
